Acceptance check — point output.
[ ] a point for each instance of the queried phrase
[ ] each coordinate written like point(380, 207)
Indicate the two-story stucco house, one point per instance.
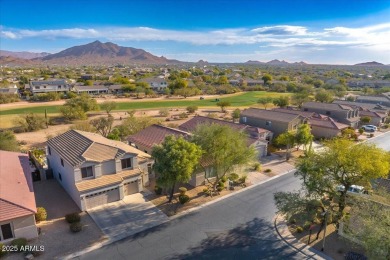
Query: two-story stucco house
point(274, 121)
point(95, 170)
point(53, 85)
point(156, 83)
point(341, 113)
point(17, 199)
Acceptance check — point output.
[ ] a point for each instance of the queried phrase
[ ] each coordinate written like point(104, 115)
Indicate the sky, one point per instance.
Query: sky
point(316, 31)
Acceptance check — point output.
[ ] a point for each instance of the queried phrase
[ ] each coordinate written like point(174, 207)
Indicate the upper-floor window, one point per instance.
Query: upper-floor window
point(86, 172)
point(62, 162)
point(268, 123)
point(126, 163)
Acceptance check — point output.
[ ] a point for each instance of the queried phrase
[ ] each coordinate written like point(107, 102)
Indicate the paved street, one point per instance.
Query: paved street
point(382, 141)
point(239, 227)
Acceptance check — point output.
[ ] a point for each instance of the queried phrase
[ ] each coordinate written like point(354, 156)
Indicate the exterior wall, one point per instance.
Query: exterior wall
point(340, 115)
point(108, 167)
point(375, 121)
point(145, 174)
point(261, 148)
point(197, 179)
point(49, 88)
point(322, 132)
point(141, 147)
point(23, 227)
point(68, 175)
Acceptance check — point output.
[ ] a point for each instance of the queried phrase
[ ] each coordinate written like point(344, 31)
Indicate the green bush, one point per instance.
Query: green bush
point(75, 227)
point(19, 242)
point(306, 225)
point(220, 188)
point(2, 253)
point(361, 130)
point(72, 217)
point(184, 199)
point(268, 170)
point(157, 190)
point(183, 115)
point(257, 166)
point(221, 184)
point(292, 221)
point(205, 190)
point(233, 176)
point(224, 179)
point(242, 179)
point(299, 229)
point(41, 214)
point(191, 109)
point(182, 190)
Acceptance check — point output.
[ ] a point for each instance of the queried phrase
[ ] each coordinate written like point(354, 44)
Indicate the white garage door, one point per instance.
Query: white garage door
point(101, 198)
point(130, 187)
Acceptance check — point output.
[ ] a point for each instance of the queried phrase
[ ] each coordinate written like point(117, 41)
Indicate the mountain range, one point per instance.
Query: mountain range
point(94, 53)
point(98, 53)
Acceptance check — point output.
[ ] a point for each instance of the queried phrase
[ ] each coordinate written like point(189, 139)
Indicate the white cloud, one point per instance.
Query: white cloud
point(375, 37)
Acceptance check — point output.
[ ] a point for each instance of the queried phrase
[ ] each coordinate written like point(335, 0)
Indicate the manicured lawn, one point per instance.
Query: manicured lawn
point(243, 100)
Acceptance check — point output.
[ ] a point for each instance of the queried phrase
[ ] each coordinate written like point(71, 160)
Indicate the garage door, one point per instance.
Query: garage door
point(130, 187)
point(101, 198)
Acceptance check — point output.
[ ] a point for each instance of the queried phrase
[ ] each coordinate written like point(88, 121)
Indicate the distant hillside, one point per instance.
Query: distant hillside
point(370, 63)
point(275, 62)
point(103, 53)
point(14, 61)
point(23, 54)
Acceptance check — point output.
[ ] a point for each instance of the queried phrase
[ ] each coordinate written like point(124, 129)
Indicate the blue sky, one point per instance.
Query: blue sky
point(325, 31)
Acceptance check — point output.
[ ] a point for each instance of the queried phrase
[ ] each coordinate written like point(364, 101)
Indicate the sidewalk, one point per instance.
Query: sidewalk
point(285, 234)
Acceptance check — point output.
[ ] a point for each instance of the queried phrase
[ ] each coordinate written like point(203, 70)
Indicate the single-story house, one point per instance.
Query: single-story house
point(17, 199)
point(95, 170)
point(92, 90)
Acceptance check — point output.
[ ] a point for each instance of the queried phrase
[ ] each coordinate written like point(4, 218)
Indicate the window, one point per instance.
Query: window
point(244, 119)
point(211, 173)
point(328, 113)
point(150, 169)
point(59, 87)
point(49, 150)
point(62, 162)
point(268, 123)
point(37, 87)
point(86, 172)
point(126, 163)
point(305, 109)
point(59, 176)
point(6, 232)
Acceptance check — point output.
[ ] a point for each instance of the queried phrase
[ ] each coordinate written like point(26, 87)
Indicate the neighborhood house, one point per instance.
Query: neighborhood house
point(17, 200)
point(95, 170)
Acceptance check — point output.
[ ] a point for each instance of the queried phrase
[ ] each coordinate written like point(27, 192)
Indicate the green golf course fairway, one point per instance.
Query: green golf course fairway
point(242, 100)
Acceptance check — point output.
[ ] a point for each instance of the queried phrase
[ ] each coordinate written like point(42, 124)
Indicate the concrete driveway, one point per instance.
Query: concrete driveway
point(124, 218)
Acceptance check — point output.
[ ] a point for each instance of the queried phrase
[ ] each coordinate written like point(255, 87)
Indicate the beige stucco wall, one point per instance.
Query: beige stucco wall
point(23, 227)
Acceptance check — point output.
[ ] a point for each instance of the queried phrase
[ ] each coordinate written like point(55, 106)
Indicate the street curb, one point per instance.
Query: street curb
point(116, 239)
point(285, 234)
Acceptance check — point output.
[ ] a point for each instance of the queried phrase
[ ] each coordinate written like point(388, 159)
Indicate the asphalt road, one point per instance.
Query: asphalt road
point(238, 227)
point(382, 141)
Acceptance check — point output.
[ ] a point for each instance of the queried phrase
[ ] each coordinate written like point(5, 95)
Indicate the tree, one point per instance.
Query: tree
point(175, 161)
point(76, 108)
point(341, 163)
point(369, 223)
point(103, 125)
point(267, 78)
point(365, 119)
point(304, 137)
point(299, 98)
point(323, 96)
point(222, 80)
point(114, 135)
point(178, 83)
point(236, 114)
point(282, 101)
point(223, 148)
point(8, 141)
point(132, 125)
point(191, 109)
point(32, 122)
point(108, 106)
point(128, 88)
point(286, 139)
point(223, 105)
point(164, 112)
point(265, 101)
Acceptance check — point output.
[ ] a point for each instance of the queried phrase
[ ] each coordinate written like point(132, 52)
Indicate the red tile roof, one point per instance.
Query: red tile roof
point(154, 135)
point(16, 189)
